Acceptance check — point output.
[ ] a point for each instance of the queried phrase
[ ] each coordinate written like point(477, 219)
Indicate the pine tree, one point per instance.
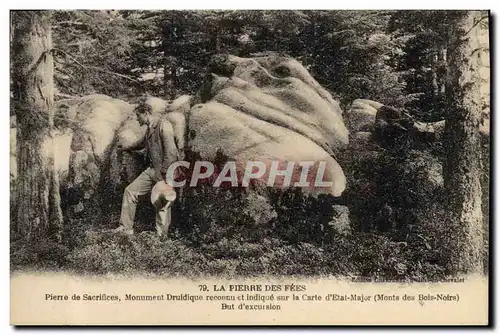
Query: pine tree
point(462, 168)
point(38, 200)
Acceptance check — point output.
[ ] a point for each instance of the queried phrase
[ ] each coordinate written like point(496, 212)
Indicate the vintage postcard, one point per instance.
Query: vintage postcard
point(249, 167)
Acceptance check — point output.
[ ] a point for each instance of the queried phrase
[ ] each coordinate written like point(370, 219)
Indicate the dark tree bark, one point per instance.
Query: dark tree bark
point(216, 39)
point(435, 66)
point(442, 65)
point(217, 32)
point(38, 212)
point(169, 78)
point(462, 168)
point(169, 57)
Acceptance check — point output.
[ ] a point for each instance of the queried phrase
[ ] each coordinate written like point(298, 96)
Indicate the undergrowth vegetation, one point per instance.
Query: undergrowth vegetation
point(396, 212)
point(362, 254)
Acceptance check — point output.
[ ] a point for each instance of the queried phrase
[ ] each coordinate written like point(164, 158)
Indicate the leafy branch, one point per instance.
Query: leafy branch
point(96, 67)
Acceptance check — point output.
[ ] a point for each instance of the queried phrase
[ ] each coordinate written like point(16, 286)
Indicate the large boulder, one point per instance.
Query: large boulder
point(268, 109)
point(85, 155)
point(260, 109)
point(361, 115)
point(89, 130)
point(249, 109)
point(95, 166)
point(434, 131)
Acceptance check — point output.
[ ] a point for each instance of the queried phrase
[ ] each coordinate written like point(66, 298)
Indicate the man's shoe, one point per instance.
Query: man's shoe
point(123, 230)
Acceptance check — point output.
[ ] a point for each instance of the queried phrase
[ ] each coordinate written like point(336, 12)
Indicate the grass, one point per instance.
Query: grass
point(372, 255)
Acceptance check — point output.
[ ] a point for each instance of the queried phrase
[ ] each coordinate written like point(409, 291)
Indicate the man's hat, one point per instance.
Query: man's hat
point(162, 194)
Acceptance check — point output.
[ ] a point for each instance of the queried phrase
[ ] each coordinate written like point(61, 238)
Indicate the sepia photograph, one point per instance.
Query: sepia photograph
point(249, 154)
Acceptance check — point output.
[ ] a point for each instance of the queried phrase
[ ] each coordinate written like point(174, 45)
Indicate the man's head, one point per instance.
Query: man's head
point(143, 112)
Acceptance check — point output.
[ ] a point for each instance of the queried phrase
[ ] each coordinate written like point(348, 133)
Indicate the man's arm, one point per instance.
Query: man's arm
point(171, 152)
point(178, 121)
point(136, 145)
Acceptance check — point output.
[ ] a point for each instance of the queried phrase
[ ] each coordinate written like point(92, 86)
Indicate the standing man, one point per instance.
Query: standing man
point(161, 151)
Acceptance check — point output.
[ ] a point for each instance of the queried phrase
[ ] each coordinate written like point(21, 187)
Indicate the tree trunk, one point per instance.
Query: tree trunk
point(219, 29)
point(442, 64)
point(435, 67)
point(169, 77)
point(217, 41)
point(169, 57)
point(173, 76)
point(38, 212)
point(462, 168)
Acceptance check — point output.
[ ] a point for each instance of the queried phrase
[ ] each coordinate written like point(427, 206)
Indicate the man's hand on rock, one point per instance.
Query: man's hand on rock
point(121, 147)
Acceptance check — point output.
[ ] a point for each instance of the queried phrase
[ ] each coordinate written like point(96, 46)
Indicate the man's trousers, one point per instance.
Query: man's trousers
point(142, 185)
